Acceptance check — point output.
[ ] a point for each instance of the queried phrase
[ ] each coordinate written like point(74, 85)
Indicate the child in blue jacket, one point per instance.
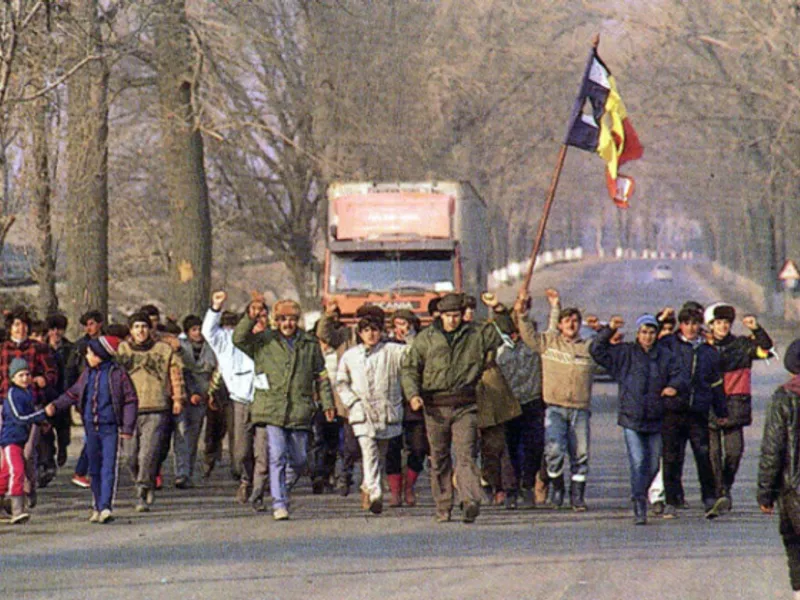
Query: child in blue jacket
point(19, 414)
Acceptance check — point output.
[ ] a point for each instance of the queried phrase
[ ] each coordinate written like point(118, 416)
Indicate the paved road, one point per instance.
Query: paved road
point(199, 544)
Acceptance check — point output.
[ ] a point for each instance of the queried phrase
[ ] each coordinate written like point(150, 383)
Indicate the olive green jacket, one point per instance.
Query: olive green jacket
point(285, 378)
point(432, 366)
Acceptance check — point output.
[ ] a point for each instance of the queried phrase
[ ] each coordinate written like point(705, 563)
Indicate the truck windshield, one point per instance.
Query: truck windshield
point(416, 271)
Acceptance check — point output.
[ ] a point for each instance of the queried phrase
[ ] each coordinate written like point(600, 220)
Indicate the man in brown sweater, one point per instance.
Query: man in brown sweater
point(567, 370)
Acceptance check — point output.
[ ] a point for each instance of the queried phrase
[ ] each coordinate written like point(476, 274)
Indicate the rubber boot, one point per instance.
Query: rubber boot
point(396, 489)
point(410, 481)
point(577, 491)
point(557, 492)
point(18, 514)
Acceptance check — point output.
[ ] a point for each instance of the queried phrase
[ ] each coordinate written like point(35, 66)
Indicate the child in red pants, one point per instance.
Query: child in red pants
point(19, 414)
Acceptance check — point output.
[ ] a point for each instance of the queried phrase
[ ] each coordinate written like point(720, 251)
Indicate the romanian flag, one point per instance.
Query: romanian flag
point(600, 123)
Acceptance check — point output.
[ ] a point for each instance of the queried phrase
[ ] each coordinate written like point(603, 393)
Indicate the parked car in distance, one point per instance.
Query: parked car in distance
point(662, 273)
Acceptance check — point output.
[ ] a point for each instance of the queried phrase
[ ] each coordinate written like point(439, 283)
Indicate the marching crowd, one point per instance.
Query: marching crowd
point(496, 410)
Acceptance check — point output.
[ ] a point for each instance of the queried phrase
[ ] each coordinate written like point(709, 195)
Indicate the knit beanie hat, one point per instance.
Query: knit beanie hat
point(17, 365)
point(648, 320)
point(791, 359)
point(105, 347)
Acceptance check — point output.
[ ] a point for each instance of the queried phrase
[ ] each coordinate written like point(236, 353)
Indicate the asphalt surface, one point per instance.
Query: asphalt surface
point(199, 544)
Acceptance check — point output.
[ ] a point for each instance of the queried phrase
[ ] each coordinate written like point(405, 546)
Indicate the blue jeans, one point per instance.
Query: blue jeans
point(101, 452)
point(286, 446)
point(567, 433)
point(644, 451)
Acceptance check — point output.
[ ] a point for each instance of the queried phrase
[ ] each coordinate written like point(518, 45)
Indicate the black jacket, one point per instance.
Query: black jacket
point(778, 468)
point(736, 355)
point(699, 367)
point(642, 376)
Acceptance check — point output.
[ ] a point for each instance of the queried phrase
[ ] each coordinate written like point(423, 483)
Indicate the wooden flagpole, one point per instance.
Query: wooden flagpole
point(551, 194)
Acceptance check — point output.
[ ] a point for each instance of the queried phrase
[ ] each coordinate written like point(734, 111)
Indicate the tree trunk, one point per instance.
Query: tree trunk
point(42, 196)
point(86, 228)
point(184, 168)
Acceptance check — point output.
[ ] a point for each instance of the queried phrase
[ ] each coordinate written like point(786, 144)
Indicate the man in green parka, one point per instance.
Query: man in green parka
point(289, 372)
point(441, 373)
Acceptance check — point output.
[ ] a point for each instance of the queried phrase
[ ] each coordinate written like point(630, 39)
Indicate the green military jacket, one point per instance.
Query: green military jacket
point(432, 366)
point(285, 378)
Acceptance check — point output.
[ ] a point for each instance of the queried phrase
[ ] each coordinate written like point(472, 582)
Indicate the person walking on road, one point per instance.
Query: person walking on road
point(779, 463)
point(646, 374)
point(289, 369)
point(238, 372)
point(107, 402)
point(686, 414)
point(736, 353)
point(567, 372)
point(157, 376)
point(368, 383)
point(440, 375)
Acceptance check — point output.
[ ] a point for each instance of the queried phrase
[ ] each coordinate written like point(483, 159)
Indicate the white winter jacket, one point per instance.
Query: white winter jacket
point(368, 382)
point(235, 366)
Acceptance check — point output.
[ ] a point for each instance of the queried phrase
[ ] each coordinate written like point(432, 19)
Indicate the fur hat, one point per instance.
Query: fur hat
point(719, 310)
point(17, 365)
point(451, 303)
point(286, 308)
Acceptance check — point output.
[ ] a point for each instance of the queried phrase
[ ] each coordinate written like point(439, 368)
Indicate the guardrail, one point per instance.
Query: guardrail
point(515, 270)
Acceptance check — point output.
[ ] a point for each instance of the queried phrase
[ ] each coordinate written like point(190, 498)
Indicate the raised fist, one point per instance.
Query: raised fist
point(750, 322)
point(552, 296)
point(218, 299)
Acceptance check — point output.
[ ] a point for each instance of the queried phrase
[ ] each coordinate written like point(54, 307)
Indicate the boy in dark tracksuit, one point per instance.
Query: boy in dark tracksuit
point(736, 354)
point(19, 415)
point(686, 415)
point(108, 404)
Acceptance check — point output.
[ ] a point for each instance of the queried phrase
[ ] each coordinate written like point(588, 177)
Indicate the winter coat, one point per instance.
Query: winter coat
point(779, 463)
point(197, 371)
point(123, 397)
point(339, 338)
point(157, 375)
point(567, 367)
point(700, 371)
point(235, 366)
point(522, 368)
point(736, 355)
point(368, 383)
point(642, 376)
point(439, 371)
point(294, 374)
point(41, 363)
point(496, 401)
point(19, 414)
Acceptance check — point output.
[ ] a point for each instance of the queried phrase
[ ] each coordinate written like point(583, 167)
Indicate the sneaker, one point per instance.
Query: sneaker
point(317, 486)
point(95, 517)
point(61, 457)
point(471, 512)
point(149, 497)
point(511, 501)
point(22, 517)
point(725, 504)
point(82, 481)
point(33, 499)
point(669, 512)
point(141, 506)
point(280, 514)
point(159, 481)
point(105, 516)
point(182, 483)
point(499, 498)
point(657, 508)
point(258, 505)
